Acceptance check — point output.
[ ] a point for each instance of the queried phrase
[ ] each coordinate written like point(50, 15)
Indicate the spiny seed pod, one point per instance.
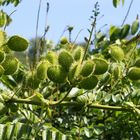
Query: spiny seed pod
point(2, 56)
point(117, 72)
point(125, 31)
point(42, 70)
point(134, 27)
point(57, 74)
point(137, 63)
point(74, 72)
point(87, 68)
point(78, 53)
point(1, 70)
point(49, 112)
point(117, 53)
point(10, 65)
point(134, 73)
point(17, 43)
point(52, 57)
point(2, 38)
point(89, 82)
point(63, 40)
point(65, 59)
point(101, 66)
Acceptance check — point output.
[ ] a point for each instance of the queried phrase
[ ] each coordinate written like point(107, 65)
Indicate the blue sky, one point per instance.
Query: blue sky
point(62, 13)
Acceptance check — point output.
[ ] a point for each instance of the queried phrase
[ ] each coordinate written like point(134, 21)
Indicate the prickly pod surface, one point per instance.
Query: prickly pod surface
point(78, 53)
point(2, 56)
point(10, 65)
point(134, 73)
point(117, 53)
point(89, 82)
point(17, 43)
point(101, 66)
point(65, 59)
point(87, 68)
point(57, 74)
point(42, 70)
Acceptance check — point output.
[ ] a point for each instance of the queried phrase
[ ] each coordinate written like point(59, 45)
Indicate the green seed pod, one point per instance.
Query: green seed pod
point(117, 72)
point(1, 70)
point(134, 27)
point(78, 53)
point(87, 68)
point(125, 31)
point(10, 65)
point(137, 63)
point(63, 40)
point(2, 38)
point(117, 53)
point(89, 82)
point(2, 18)
point(17, 43)
point(52, 57)
point(42, 70)
point(134, 73)
point(74, 72)
point(57, 74)
point(2, 56)
point(65, 59)
point(49, 112)
point(101, 66)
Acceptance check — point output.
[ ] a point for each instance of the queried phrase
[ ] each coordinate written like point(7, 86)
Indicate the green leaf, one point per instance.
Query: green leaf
point(114, 98)
point(87, 133)
point(116, 3)
point(1, 130)
point(114, 33)
point(123, 2)
point(107, 98)
point(137, 110)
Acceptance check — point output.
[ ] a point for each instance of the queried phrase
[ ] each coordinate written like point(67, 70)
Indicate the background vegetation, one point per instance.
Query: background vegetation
point(70, 91)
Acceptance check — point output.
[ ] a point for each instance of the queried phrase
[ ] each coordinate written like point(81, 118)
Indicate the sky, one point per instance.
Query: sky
point(74, 13)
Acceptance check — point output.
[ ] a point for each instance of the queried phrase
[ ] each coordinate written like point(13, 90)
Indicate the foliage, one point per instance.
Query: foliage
point(117, 2)
point(71, 91)
point(7, 2)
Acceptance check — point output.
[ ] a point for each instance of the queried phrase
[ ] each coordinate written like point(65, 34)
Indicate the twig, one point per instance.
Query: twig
point(61, 100)
point(89, 40)
point(129, 8)
point(36, 41)
point(65, 29)
point(73, 103)
point(9, 16)
point(73, 43)
point(136, 38)
point(46, 28)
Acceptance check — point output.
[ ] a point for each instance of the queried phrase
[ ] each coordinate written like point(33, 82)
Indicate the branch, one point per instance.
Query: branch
point(67, 103)
point(127, 12)
point(136, 38)
point(89, 39)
